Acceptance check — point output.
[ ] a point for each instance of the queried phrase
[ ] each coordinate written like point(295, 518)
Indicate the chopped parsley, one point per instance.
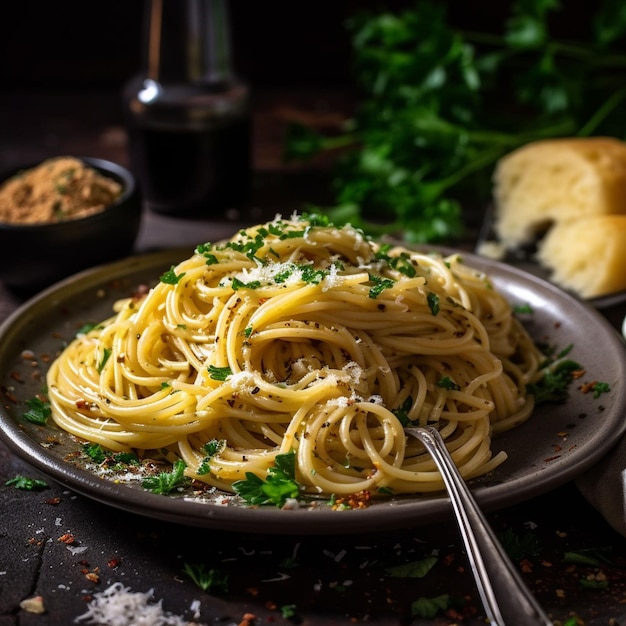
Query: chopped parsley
point(445, 382)
point(100, 455)
point(433, 302)
point(171, 277)
point(427, 608)
point(206, 578)
point(87, 328)
point(25, 483)
point(554, 384)
point(600, 388)
point(166, 482)
point(219, 373)
point(276, 489)
point(523, 308)
point(237, 284)
point(414, 569)
point(38, 411)
point(402, 413)
point(379, 285)
point(106, 354)
point(401, 263)
point(519, 545)
point(211, 448)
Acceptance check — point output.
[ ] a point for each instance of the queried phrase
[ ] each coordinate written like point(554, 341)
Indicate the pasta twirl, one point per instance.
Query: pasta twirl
point(297, 335)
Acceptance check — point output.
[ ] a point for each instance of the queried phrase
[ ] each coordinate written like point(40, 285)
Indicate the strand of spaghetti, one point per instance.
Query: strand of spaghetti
point(304, 337)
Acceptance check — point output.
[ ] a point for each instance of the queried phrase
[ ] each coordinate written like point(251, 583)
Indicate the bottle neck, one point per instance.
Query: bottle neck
point(187, 41)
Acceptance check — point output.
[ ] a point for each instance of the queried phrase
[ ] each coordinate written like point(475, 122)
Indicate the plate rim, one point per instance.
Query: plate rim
point(396, 513)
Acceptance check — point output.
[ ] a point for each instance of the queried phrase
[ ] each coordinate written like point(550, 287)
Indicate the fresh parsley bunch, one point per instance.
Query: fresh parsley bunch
point(439, 106)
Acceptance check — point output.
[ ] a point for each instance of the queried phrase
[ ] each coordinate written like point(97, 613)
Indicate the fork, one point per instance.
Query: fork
point(506, 599)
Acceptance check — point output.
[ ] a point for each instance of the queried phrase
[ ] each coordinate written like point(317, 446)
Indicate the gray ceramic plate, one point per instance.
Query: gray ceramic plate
point(554, 446)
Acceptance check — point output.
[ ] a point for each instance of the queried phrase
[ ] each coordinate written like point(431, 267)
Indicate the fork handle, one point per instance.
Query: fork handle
point(505, 597)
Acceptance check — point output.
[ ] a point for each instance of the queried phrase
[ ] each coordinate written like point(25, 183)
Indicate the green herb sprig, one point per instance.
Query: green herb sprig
point(25, 483)
point(439, 106)
point(276, 489)
point(166, 482)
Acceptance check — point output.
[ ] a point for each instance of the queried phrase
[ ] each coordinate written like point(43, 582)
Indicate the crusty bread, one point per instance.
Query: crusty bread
point(546, 182)
point(587, 255)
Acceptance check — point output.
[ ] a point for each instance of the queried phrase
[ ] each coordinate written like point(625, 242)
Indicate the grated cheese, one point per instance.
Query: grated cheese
point(118, 606)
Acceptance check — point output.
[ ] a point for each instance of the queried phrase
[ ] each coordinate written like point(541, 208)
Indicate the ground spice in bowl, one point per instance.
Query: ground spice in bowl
point(58, 189)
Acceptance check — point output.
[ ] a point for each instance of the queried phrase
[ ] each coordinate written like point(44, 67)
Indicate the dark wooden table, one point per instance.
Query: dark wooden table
point(65, 547)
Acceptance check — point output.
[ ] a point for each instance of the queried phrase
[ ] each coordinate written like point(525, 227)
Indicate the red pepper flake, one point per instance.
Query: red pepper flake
point(552, 458)
point(68, 539)
point(53, 501)
point(526, 566)
point(358, 500)
point(114, 562)
point(577, 374)
point(17, 377)
point(92, 577)
point(9, 396)
point(247, 619)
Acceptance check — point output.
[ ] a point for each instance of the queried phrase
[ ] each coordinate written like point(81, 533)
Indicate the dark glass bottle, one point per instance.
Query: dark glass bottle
point(188, 116)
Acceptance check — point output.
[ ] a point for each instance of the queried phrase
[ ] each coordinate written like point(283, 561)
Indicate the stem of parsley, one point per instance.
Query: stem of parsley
point(439, 106)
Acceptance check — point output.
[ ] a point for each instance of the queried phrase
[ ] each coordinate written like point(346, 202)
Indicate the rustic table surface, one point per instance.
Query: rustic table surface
point(309, 579)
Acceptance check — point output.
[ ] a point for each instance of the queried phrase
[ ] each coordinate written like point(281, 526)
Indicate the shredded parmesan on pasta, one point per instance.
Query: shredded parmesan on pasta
point(297, 335)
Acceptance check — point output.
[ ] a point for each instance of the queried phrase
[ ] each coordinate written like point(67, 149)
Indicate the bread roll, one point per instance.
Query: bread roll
point(587, 255)
point(546, 182)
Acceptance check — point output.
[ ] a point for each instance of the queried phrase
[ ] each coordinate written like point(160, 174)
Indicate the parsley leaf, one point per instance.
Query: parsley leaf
point(276, 489)
point(427, 608)
point(439, 105)
point(171, 277)
point(445, 382)
point(166, 482)
point(28, 484)
point(206, 578)
point(433, 302)
point(519, 545)
point(38, 411)
point(211, 448)
point(414, 569)
point(106, 354)
point(100, 455)
point(219, 373)
point(554, 383)
point(380, 284)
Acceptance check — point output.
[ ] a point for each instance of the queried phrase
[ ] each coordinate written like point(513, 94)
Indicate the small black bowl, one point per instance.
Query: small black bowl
point(34, 256)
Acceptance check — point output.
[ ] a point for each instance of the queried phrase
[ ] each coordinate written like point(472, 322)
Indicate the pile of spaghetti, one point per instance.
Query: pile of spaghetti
point(297, 336)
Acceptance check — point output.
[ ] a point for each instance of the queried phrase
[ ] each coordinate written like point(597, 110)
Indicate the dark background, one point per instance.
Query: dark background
point(63, 66)
point(60, 46)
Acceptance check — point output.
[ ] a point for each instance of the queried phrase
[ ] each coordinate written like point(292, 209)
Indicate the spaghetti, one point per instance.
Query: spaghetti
point(300, 336)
